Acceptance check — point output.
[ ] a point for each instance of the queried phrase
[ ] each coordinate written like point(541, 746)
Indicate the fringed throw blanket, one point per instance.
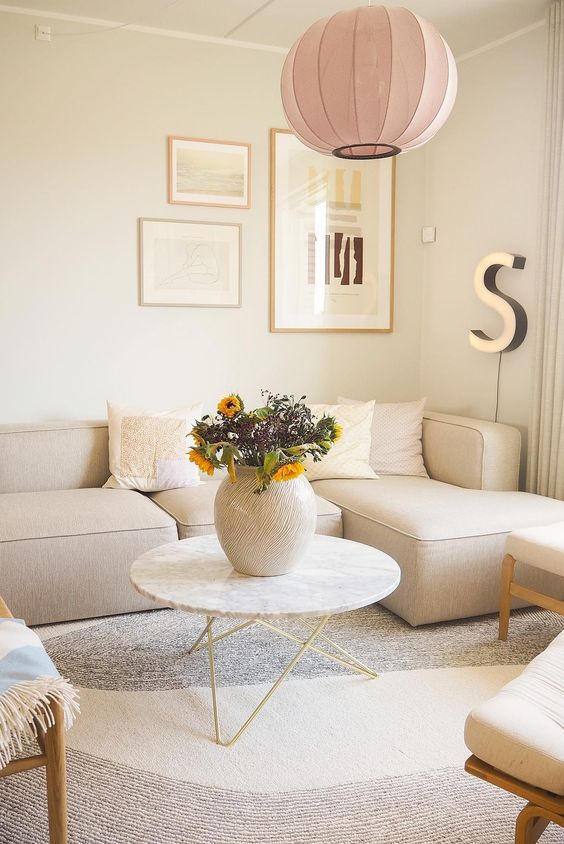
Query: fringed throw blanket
point(29, 683)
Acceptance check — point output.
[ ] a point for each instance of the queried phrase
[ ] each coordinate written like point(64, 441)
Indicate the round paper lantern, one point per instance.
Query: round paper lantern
point(368, 83)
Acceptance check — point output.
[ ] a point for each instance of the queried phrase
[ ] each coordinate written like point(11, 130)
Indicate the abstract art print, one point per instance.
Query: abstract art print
point(189, 263)
point(203, 172)
point(331, 240)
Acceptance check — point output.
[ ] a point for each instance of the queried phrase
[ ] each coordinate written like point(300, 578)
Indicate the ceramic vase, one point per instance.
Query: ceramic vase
point(264, 534)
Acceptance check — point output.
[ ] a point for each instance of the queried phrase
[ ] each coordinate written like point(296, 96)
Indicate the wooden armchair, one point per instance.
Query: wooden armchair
point(542, 807)
point(517, 742)
point(52, 756)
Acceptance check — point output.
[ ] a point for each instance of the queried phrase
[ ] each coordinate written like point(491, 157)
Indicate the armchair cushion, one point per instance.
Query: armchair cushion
point(542, 547)
point(520, 731)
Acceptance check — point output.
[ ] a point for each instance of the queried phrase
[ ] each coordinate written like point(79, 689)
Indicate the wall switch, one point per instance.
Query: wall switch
point(428, 234)
point(42, 33)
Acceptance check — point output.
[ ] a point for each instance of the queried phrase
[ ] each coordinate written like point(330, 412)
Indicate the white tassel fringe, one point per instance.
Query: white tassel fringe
point(26, 706)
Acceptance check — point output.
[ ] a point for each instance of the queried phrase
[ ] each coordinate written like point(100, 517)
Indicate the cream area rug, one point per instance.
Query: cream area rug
point(334, 758)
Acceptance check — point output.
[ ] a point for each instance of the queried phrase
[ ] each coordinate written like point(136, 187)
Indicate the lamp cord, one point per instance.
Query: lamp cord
point(497, 387)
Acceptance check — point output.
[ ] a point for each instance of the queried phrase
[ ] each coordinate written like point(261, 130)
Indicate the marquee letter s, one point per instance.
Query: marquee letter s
point(512, 313)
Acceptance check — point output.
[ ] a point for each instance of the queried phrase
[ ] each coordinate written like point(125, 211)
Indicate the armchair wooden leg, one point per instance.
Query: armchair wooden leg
point(54, 741)
point(532, 822)
point(507, 571)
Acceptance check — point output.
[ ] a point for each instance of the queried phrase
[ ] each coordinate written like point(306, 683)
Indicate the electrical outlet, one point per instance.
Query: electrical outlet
point(428, 234)
point(42, 33)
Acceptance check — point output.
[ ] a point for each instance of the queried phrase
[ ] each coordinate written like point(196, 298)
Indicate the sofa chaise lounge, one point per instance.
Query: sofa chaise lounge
point(66, 544)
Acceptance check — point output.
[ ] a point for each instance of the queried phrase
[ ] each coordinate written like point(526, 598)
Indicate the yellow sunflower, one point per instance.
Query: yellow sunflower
point(288, 472)
point(229, 406)
point(203, 463)
point(337, 432)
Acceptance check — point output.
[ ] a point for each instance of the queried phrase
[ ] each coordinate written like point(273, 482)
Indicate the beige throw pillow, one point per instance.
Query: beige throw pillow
point(349, 456)
point(397, 430)
point(148, 449)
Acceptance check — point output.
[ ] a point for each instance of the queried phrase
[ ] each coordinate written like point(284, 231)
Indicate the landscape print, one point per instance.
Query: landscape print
point(218, 173)
point(209, 172)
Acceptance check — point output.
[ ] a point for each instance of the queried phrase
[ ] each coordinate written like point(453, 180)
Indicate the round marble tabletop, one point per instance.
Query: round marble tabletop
point(334, 576)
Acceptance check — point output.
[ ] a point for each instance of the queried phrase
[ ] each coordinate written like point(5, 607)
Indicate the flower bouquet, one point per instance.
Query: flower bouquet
point(275, 438)
point(263, 535)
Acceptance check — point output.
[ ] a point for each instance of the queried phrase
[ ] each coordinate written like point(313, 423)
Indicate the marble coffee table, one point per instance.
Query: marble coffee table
point(334, 576)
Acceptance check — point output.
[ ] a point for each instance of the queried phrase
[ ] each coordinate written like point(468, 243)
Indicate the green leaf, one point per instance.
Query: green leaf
point(298, 449)
point(227, 453)
point(262, 413)
point(263, 480)
point(270, 462)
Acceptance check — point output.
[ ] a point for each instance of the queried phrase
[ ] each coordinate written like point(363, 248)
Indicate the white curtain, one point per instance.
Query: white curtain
point(546, 440)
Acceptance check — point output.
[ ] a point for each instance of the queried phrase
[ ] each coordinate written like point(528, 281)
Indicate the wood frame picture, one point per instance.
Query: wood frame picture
point(331, 240)
point(189, 263)
point(206, 172)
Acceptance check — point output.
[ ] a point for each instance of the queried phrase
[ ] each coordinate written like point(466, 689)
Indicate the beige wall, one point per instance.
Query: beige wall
point(482, 190)
point(83, 155)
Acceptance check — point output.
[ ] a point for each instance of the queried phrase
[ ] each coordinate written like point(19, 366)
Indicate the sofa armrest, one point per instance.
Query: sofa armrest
point(471, 453)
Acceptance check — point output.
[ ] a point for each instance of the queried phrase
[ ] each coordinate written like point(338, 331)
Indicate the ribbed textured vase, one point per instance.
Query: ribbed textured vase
point(267, 534)
point(368, 83)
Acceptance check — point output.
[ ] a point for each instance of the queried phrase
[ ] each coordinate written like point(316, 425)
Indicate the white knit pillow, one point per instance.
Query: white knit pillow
point(397, 429)
point(148, 450)
point(349, 456)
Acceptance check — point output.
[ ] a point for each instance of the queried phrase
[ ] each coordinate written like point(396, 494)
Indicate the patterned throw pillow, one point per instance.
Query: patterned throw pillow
point(397, 431)
point(148, 450)
point(349, 456)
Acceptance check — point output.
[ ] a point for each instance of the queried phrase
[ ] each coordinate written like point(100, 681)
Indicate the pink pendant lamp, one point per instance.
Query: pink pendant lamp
point(368, 83)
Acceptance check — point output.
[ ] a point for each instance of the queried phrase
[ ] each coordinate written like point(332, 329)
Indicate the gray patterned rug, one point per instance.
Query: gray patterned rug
point(333, 758)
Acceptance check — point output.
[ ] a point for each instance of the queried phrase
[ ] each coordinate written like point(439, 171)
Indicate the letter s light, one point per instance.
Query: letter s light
point(512, 313)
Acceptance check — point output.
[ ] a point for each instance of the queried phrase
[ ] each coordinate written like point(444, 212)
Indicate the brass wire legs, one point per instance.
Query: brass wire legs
point(315, 632)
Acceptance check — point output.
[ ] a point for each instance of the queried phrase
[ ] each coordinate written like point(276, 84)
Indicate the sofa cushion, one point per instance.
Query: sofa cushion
point(49, 456)
point(148, 448)
point(431, 510)
point(73, 512)
point(66, 554)
point(193, 510)
point(520, 731)
point(349, 456)
point(397, 430)
point(448, 541)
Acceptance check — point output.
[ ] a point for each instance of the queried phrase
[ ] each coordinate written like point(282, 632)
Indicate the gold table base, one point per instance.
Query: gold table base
point(315, 633)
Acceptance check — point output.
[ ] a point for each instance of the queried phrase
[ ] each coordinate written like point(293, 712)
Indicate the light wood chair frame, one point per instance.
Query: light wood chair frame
point(542, 808)
point(53, 758)
point(511, 589)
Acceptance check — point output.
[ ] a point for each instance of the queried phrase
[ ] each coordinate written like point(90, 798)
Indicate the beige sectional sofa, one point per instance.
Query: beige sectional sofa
point(66, 544)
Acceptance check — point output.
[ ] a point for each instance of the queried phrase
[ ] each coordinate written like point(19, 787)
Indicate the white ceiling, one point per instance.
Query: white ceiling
point(466, 24)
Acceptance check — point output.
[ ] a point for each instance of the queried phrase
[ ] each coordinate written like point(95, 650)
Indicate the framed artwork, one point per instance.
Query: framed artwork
point(203, 172)
point(331, 240)
point(189, 263)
